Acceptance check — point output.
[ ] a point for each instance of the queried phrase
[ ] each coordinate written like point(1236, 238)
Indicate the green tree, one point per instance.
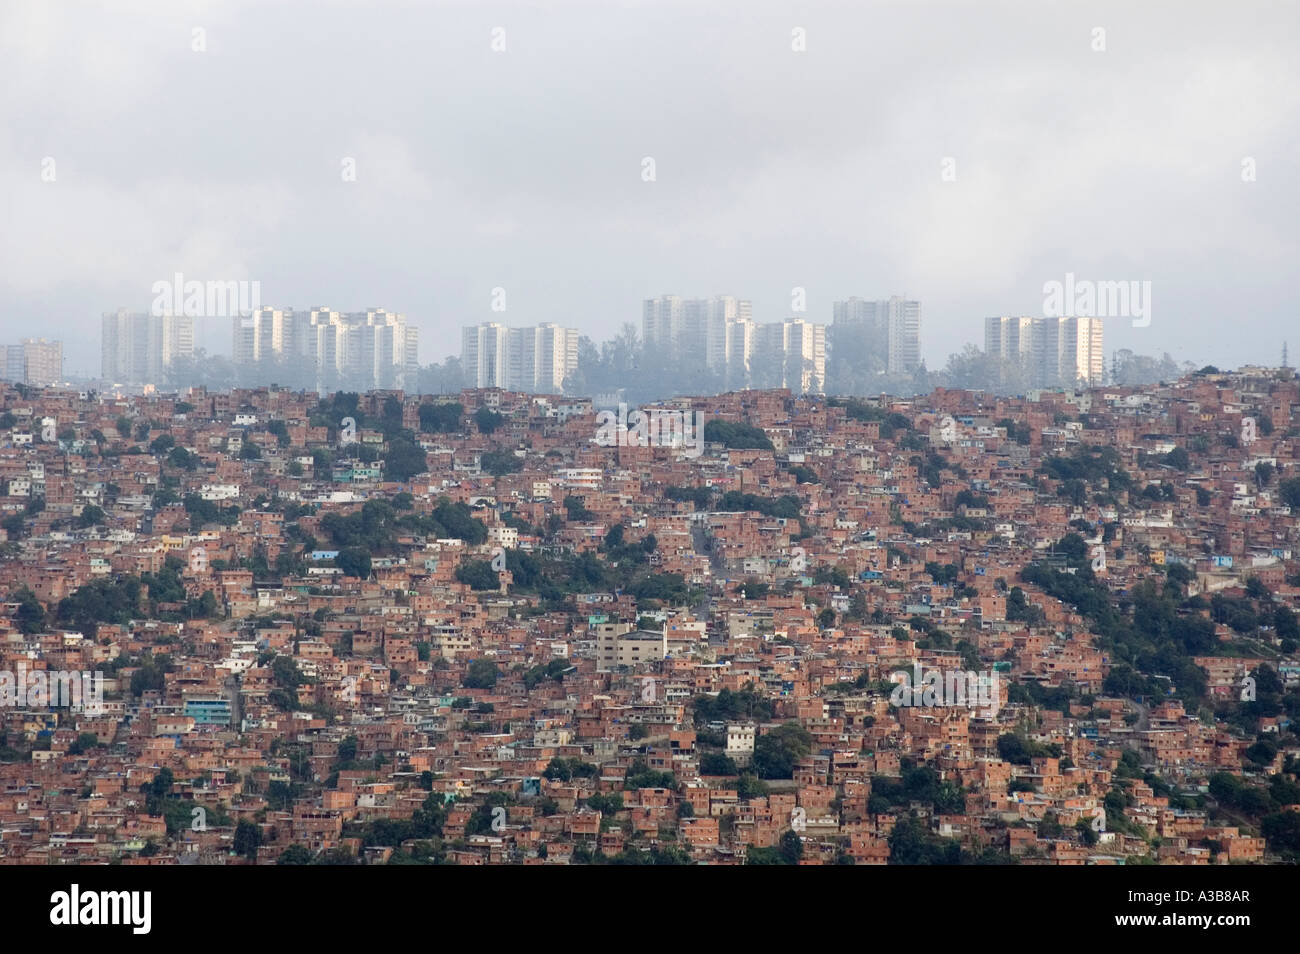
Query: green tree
point(911, 843)
point(1086, 833)
point(487, 420)
point(791, 848)
point(14, 526)
point(501, 462)
point(1282, 832)
point(441, 418)
point(84, 742)
point(294, 855)
point(248, 838)
point(777, 752)
point(715, 763)
point(31, 613)
point(481, 674)
point(1289, 491)
point(404, 460)
point(354, 561)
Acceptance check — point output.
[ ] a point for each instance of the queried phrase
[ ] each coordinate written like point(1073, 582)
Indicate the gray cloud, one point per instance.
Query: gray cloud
point(775, 169)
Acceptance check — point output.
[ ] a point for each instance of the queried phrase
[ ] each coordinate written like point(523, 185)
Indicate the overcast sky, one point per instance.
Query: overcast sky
point(774, 169)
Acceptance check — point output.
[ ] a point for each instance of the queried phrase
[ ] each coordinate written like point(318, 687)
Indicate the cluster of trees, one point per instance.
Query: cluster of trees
point(911, 842)
point(115, 601)
point(778, 751)
point(378, 523)
point(166, 586)
point(557, 578)
point(203, 512)
point(975, 369)
point(31, 616)
point(700, 496)
point(481, 674)
point(1289, 491)
point(566, 770)
point(1095, 466)
point(891, 422)
point(1144, 632)
point(736, 435)
point(441, 418)
point(403, 458)
point(1247, 614)
point(287, 678)
point(787, 851)
point(1020, 750)
point(640, 775)
point(787, 506)
point(219, 372)
point(554, 670)
point(1136, 370)
point(177, 813)
point(915, 784)
point(728, 706)
point(1271, 806)
point(665, 854)
point(424, 824)
point(498, 463)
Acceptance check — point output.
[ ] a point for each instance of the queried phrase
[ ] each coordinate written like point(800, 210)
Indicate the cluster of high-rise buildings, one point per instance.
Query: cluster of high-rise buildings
point(366, 350)
point(138, 347)
point(33, 361)
point(537, 358)
point(372, 349)
point(788, 354)
point(721, 334)
point(376, 349)
point(891, 328)
point(718, 332)
point(1048, 352)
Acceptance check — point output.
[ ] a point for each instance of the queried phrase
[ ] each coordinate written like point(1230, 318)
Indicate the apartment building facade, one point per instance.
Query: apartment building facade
point(790, 354)
point(720, 335)
point(537, 358)
point(1048, 352)
point(138, 348)
point(33, 361)
point(891, 327)
point(366, 349)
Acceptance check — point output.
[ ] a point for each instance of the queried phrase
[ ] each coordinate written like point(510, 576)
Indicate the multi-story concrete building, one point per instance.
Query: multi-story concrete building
point(540, 357)
point(1016, 341)
point(266, 333)
point(13, 363)
point(537, 358)
point(1011, 338)
point(904, 318)
point(484, 355)
point(619, 644)
point(737, 352)
point(33, 361)
point(138, 348)
point(1079, 355)
point(891, 328)
point(715, 333)
point(790, 354)
point(661, 324)
point(727, 341)
point(1048, 352)
point(367, 349)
